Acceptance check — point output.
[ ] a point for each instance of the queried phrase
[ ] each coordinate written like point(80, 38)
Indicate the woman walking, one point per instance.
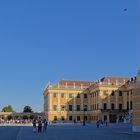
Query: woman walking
point(39, 126)
point(34, 126)
point(45, 124)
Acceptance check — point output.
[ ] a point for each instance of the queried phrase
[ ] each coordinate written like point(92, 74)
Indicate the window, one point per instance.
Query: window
point(62, 118)
point(78, 118)
point(70, 118)
point(62, 95)
point(54, 107)
point(55, 118)
point(105, 117)
point(112, 106)
point(62, 107)
point(70, 95)
point(85, 107)
point(54, 95)
point(85, 95)
point(70, 107)
point(113, 93)
point(78, 95)
point(78, 107)
point(120, 106)
point(120, 93)
point(85, 118)
point(104, 106)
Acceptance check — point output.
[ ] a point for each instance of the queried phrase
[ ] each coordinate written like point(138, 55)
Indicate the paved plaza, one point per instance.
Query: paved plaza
point(70, 132)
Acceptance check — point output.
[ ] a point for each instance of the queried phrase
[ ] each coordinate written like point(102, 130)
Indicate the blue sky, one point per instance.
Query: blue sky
point(49, 40)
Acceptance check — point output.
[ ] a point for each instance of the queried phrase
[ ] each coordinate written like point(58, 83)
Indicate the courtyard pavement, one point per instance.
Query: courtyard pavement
point(70, 132)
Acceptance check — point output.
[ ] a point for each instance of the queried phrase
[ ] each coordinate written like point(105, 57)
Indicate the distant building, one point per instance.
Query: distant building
point(136, 105)
point(20, 116)
point(4, 115)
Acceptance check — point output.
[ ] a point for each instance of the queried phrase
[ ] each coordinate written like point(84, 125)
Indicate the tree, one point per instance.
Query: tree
point(32, 117)
point(27, 109)
point(9, 117)
point(16, 117)
point(7, 109)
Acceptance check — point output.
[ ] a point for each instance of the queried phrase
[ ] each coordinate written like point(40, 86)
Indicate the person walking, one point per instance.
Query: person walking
point(74, 121)
point(39, 126)
point(106, 123)
point(34, 126)
point(45, 124)
point(98, 123)
point(84, 122)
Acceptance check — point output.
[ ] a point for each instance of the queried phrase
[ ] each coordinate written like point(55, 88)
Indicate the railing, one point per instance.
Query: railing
point(67, 87)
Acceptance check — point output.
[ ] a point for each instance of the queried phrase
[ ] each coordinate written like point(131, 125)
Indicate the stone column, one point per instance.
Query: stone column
point(125, 100)
point(74, 102)
point(99, 101)
point(129, 98)
point(50, 102)
point(116, 101)
point(108, 102)
point(89, 102)
point(82, 101)
point(96, 100)
point(58, 102)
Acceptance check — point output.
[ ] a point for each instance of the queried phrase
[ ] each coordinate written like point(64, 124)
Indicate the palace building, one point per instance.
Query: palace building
point(109, 98)
point(136, 105)
point(63, 101)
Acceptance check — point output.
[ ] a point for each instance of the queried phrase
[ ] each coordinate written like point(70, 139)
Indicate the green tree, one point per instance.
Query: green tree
point(7, 109)
point(9, 117)
point(27, 109)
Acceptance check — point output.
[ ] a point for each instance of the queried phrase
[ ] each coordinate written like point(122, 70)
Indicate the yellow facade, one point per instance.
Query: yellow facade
point(109, 99)
point(4, 114)
point(136, 104)
point(65, 102)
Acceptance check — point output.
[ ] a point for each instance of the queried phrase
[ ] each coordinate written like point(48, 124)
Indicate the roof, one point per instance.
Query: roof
point(74, 82)
point(114, 79)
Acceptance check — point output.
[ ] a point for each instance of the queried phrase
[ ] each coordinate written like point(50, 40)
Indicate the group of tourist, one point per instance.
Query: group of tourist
point(14, 122)
point(100, 122)
point(39, 125)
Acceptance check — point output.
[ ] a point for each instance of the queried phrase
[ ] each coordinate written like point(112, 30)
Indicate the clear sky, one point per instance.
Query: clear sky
point(49, 40)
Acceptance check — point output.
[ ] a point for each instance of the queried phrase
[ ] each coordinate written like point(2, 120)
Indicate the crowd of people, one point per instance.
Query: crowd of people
point(3, 121)
point(39, 125)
